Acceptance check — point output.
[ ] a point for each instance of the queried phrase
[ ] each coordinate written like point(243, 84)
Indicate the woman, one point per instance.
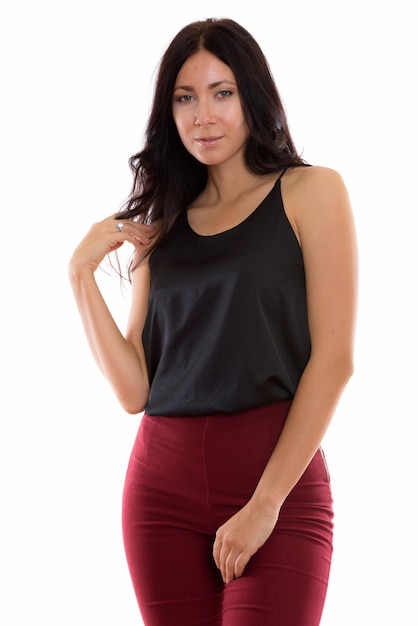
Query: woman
point(238, 346)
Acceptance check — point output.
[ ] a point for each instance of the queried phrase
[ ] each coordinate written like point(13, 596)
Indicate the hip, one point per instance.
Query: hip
point(212, 464)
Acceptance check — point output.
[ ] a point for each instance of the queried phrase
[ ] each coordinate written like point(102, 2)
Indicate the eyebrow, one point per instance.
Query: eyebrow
point(211, 86)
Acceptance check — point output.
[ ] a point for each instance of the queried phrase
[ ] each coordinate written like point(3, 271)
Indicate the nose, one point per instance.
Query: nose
point(203, 114)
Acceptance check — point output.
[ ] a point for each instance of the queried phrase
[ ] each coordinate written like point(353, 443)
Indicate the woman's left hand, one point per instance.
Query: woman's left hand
point(240, 537)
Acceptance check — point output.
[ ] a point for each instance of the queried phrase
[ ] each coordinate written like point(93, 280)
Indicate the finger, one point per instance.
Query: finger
point(219, 546)
point(223, 556)
point(125, 231)
point(230, 567)
point(220, 553)
point(136, 233)
point(144, 232)
point(216, 553)
point(240, 564)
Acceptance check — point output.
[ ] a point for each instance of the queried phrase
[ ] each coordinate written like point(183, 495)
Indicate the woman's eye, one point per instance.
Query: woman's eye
point(185, 98)
point(224, 93)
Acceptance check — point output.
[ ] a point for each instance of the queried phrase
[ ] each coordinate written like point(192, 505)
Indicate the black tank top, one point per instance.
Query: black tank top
point(227, 326)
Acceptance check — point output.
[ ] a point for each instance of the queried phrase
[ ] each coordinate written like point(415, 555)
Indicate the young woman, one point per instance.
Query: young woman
point(238, 346)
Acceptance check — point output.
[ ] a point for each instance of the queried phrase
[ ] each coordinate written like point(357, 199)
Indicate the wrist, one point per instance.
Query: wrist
point(266, 501)
point(77, 272)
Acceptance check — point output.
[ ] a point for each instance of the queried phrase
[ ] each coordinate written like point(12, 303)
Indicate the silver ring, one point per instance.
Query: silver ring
point(119, 226)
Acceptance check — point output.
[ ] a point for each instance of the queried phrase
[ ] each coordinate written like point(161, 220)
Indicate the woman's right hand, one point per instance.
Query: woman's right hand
point(105, 237)
point(120, 358)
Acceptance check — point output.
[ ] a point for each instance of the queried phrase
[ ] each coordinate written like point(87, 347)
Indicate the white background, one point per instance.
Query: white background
point(76, 82)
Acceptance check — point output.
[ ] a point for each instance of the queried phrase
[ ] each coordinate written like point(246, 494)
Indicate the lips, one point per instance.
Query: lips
point(208, 141)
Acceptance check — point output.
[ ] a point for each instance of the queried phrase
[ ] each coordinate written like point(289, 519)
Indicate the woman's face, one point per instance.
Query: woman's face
point(207, 110)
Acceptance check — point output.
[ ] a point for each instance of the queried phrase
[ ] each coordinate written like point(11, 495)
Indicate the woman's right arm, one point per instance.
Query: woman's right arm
point(120, 358)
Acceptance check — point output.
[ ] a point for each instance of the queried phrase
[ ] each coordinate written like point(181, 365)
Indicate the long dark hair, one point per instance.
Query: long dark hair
point(166, 177)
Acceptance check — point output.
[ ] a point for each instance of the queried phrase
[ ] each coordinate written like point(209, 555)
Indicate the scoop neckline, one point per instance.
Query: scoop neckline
point(244, 221)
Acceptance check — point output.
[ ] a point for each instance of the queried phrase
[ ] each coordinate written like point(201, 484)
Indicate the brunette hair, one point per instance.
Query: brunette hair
point(166, 177)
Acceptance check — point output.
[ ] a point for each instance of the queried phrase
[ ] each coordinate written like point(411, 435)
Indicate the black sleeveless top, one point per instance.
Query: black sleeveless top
point(227, 326)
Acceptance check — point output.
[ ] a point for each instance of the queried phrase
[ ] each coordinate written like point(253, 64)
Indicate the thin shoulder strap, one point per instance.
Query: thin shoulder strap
point(285, 169)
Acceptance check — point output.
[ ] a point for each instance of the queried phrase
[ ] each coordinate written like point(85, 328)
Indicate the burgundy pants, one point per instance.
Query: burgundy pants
point(189, 475)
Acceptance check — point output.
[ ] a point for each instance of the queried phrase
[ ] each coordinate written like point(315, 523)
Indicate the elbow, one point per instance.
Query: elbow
point(350, 370)
point(336, 368)
point(132, 410)
point(342, 368)
point(133, 406)
point(134, 402)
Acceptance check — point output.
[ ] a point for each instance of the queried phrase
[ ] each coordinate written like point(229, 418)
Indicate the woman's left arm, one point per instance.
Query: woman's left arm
point(319, 210)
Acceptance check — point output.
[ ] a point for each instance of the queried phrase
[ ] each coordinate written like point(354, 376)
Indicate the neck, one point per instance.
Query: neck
point(223, 187)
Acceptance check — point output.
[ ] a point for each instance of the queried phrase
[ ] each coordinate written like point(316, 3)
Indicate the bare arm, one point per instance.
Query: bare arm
point(324, 223)
point(320, 212)
point(121, 359)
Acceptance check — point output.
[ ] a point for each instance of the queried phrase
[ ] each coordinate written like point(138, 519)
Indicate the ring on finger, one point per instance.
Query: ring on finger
point(119, 226)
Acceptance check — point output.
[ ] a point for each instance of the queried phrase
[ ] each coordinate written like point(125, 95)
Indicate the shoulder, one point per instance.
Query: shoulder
point(312, 195)
point(313, 182)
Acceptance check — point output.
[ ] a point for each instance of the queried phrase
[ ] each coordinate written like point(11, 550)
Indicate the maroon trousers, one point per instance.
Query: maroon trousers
point(189, 475)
